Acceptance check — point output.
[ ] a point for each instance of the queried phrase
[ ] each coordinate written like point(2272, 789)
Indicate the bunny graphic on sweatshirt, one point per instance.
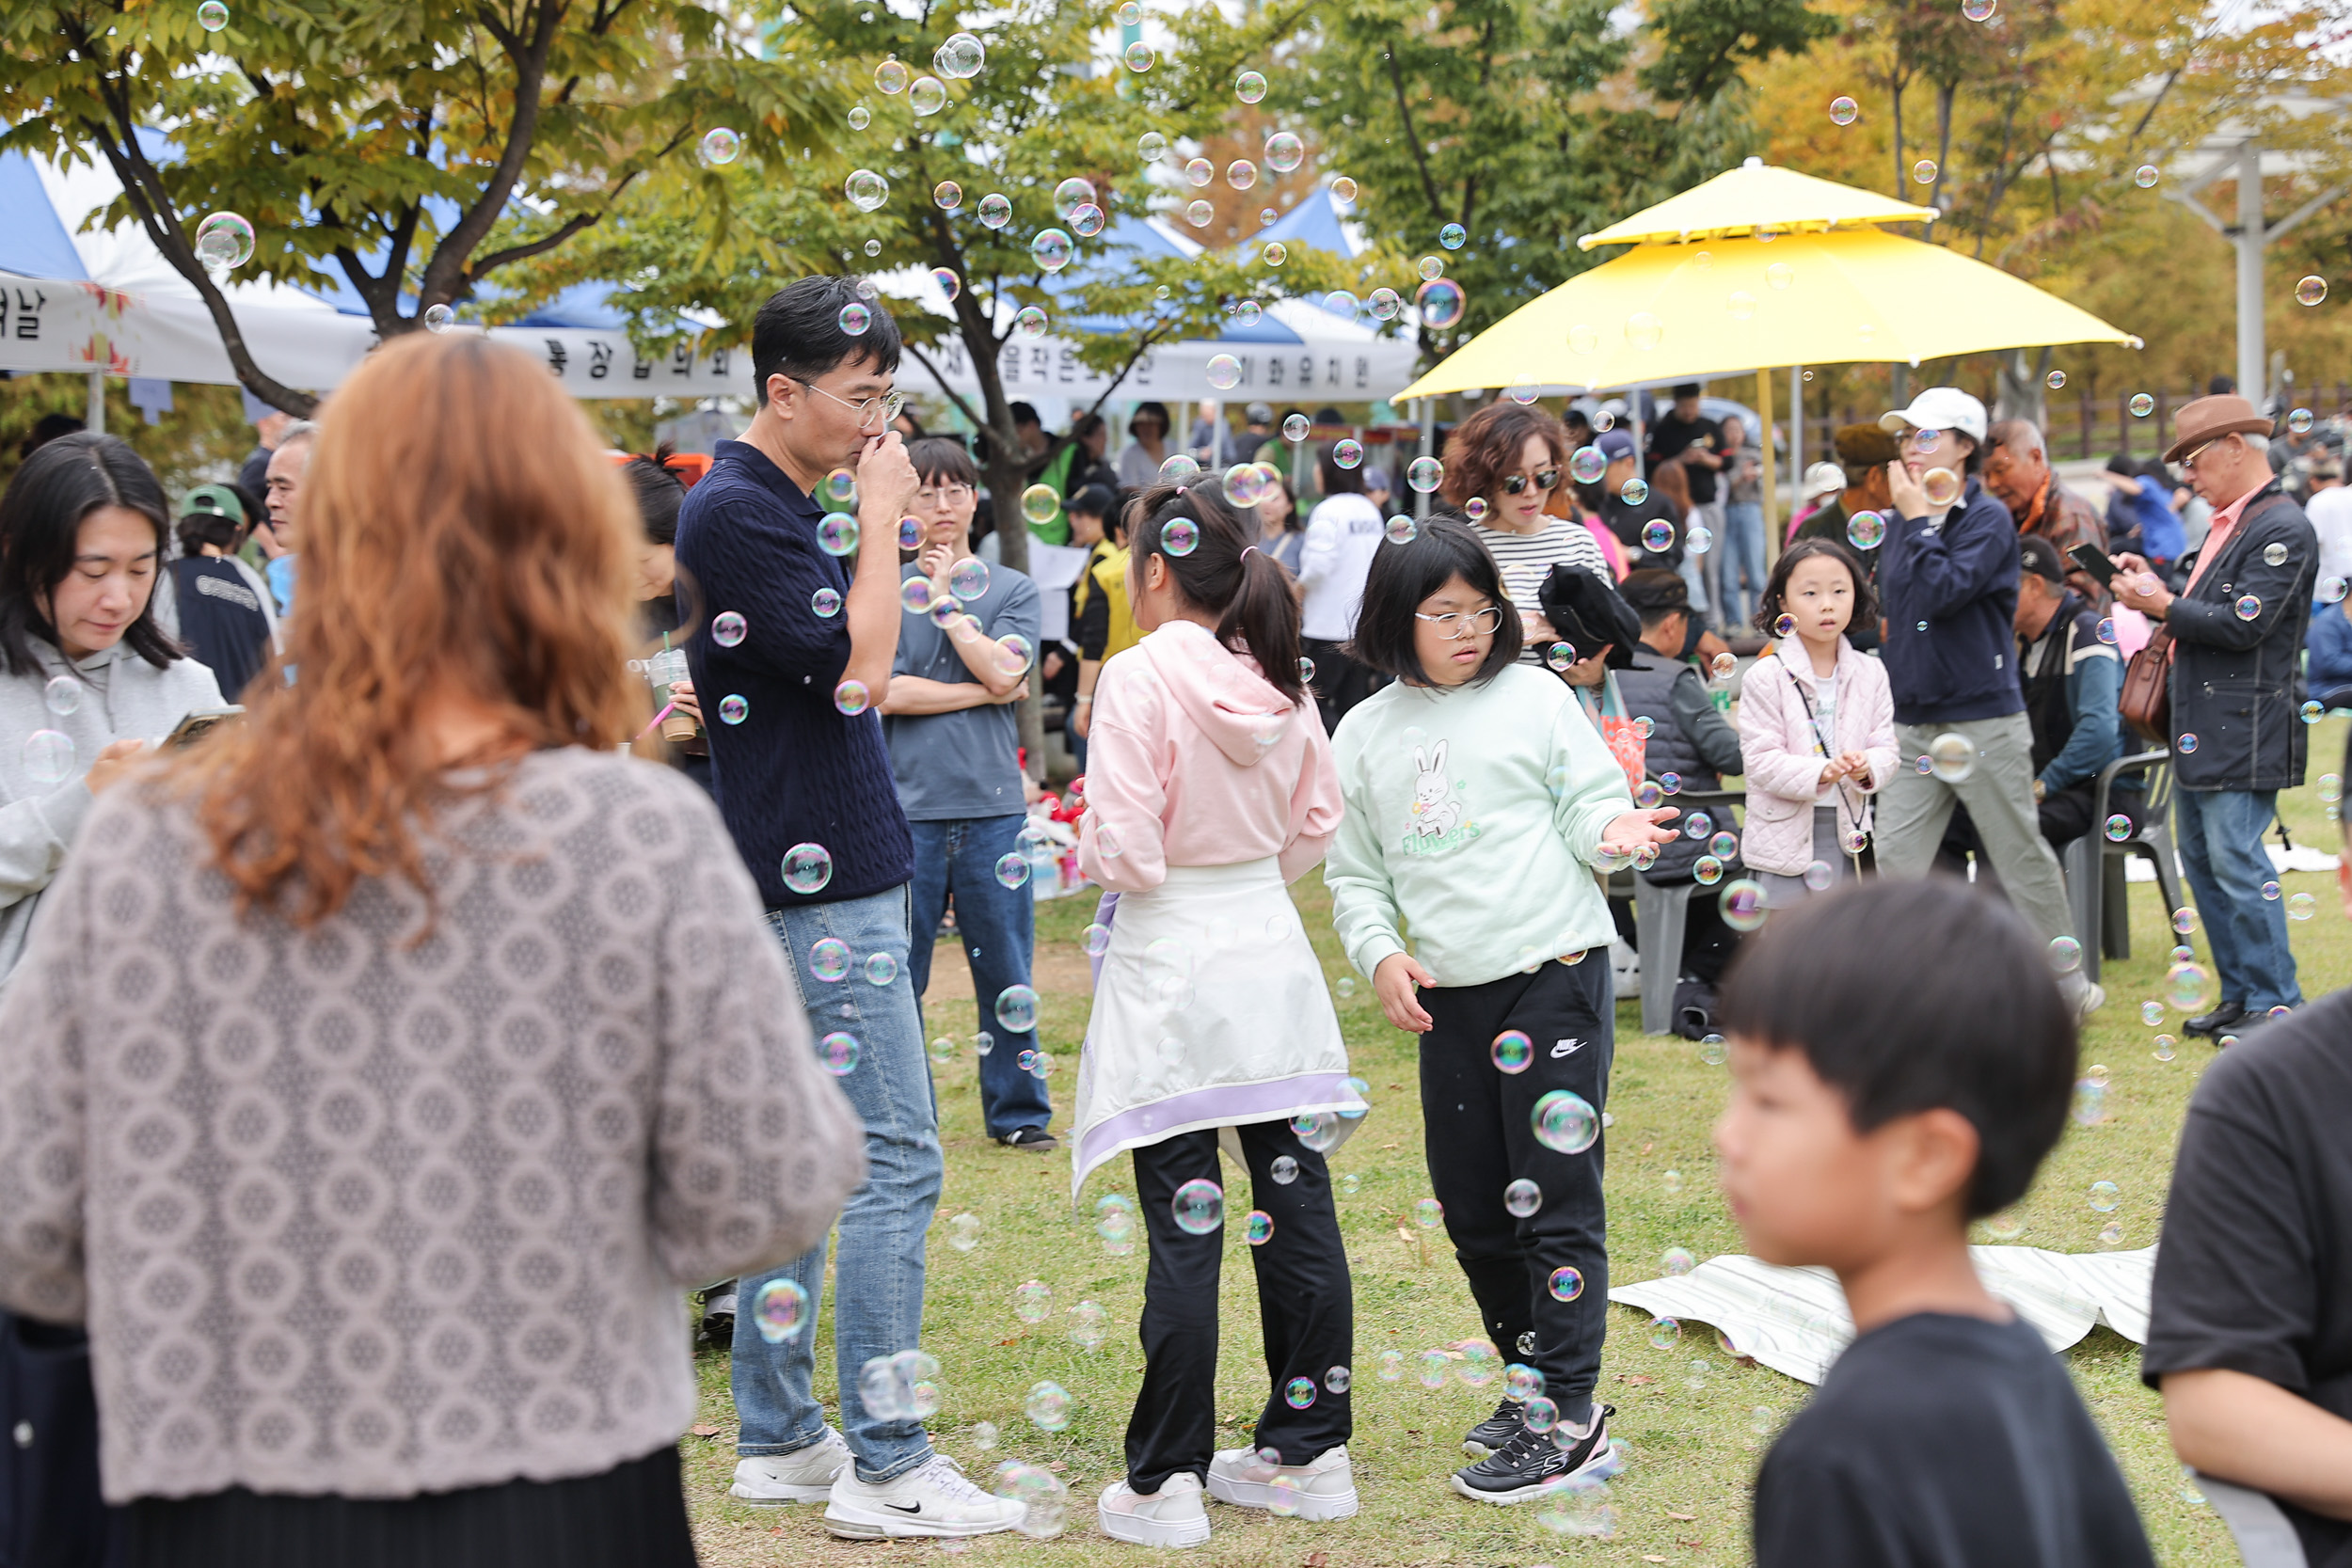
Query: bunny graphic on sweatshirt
point(1436, 812)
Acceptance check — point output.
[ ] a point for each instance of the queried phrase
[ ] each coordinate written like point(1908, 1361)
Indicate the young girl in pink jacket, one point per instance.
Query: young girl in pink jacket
point(1209, 790)
point(1817, 725)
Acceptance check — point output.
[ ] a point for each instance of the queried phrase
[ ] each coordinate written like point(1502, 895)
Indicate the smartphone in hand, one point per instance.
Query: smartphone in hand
point(2092, 559)
point(195, 724)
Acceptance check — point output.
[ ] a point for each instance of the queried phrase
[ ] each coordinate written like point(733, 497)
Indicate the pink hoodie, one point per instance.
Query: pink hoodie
point(1195, 759)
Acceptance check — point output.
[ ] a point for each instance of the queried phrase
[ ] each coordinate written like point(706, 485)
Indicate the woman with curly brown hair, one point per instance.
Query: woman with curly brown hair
point(1502, 465)
point(384, 1069)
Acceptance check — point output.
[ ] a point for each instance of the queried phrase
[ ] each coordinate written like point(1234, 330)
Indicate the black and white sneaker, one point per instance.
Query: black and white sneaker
point(1532, 1462)
point(1495, 1431)
point(1030, 1140)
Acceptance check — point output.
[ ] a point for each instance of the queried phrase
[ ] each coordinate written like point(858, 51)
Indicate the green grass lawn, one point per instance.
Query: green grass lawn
point(1683, 1497)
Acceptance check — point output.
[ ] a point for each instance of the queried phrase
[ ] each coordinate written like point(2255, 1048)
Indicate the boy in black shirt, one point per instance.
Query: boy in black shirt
point(2250, 1325)
point(1883, 1096)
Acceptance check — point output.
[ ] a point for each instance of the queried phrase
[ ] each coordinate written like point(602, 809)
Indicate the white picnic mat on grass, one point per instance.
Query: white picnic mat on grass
point(1794, 1320)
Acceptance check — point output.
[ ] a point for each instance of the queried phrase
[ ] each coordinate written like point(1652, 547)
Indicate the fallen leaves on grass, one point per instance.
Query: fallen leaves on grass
point(1635, 1377)
point(1686, 1518)
point(704, 1429)
point(1318, 1559)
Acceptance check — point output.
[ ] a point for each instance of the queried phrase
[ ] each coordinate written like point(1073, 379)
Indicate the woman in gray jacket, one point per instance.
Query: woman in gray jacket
point(86, 676)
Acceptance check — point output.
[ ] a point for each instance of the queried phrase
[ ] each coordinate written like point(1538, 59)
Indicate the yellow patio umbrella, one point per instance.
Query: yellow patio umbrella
point(1684, 312)
point(1755, 196)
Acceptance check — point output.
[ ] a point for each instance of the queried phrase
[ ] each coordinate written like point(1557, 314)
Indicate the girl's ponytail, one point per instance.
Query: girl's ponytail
point(1224, 573)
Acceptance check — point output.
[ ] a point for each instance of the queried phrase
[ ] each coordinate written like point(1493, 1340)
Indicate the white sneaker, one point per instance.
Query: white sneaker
point(802, 1476)
point(1172, 1516)
point(1322, 1490)
point(933, 1499)
point(2095, 996)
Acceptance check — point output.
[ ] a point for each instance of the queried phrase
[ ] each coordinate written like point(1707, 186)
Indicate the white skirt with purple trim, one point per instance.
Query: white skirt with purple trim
point(1209, 1010)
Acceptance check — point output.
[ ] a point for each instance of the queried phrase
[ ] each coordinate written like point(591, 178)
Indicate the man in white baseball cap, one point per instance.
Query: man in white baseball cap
point(1947, 577)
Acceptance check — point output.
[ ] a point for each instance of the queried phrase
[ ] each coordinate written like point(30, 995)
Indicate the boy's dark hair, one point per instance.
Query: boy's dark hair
point(660, 493)
point(1871, 985)
point(938, 457)
point(1403, 574)
point(1769, 608)
point(1023, 413)
point(1655, 593)
point(1095, 500)
point(798, 333)
point(1224, 573)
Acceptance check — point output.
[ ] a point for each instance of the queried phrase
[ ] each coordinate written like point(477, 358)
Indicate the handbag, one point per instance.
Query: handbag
point(2146, 700)
point(1625, 742)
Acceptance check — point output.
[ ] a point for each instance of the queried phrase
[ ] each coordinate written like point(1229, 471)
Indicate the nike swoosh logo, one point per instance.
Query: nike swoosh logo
point(1564, 1048)
point(904, 1508)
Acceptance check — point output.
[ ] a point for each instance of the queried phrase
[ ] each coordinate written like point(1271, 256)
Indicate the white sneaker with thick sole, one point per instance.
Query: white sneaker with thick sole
point(1172, 1516)
point(933, 1499)
point(1322, 1490)
point(802, 1476)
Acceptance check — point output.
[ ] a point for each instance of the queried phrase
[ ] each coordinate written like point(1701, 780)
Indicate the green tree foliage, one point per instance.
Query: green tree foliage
point(413, 151)
point(1528, 125)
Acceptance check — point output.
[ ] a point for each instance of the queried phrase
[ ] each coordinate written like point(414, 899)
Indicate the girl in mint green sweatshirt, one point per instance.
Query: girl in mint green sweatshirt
point(1479, 804)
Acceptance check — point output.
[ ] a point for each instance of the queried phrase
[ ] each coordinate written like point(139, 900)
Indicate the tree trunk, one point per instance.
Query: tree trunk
point(1007, 475)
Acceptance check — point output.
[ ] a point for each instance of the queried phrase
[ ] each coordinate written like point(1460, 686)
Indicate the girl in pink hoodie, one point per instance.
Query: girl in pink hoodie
point(1209, 789)
point(1817, 724)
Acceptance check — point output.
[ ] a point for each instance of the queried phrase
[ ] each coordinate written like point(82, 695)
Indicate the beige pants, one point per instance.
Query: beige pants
point(1914, 807)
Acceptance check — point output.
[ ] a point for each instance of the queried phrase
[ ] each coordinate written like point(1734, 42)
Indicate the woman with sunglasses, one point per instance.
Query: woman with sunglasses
point(1502, 465)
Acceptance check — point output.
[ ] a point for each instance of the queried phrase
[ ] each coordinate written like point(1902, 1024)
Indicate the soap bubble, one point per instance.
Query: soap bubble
point(2118, 828)
point(963, 1231)
point(1636, 491)
point(780, 1310)
point(1566, 1283)
point(63, 694)
point(1151, 147)
point(1441, 303)
point(224, 241)
point(837, 534)
point(866, 190)
point(2302, 907)
point(2066, 954)
point(1512, 1051)
point(854, 319)
point(1032, 1301)
point(2270, 892)
point(439, 317)
point(2299, 421)
point(961, 58)
point(1199, 171)
point(2091, 1103)
point(1384, 303)
point(1139, 56)
point(1016, 1009)
point(1048, 1405)
point(1818, 876)
point(1284, 152)
point(1428, 1213)
point(1052, 249)
point(1347, 453)
point(1402, 530)
point(1785, 626)
point(1246, 486)
point(852, 698)
point(1741, 305)
point(1924, 171)
point(1565, 1122)
point(1179, 469)
point(838, 1051)
point(994, 211)
point(1030, 322)
point(1181, 537)
point(1223, 372)
point(2104, 1196)
point(2141, 405)
point(2311, 291)
point(2247, 607)
point(1087, 220)
point(733, 710)
point(1843, 110)
point(807, 867)
point(1865, 531)
point(1431, 266)
point(2185, 920)
point(1658, 535)
point(915, 596)
point(1012, 870)
point(1577, 1505)
point(2186, 745)
point(1199, 1207)
point(948, 195)
point(1425, 474)
point(1523, 1197)
point(1039, 504)
point(1587, 464)
point(1087, 1321)
point(1666, 1333)
point(1284, 1170)
point(1940, 487)
point(1741, 904)
point(1951, 756)
point(968, 578)
point(212, 16)
point(2188, 986)
point(891, 76)
point(2165, 1048)
point(1249, 86)
point(1675, 1261)
point(2146, 175)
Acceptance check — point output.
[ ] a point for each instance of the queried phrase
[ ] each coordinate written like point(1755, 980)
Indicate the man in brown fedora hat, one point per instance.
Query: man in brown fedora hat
point(2236, 623)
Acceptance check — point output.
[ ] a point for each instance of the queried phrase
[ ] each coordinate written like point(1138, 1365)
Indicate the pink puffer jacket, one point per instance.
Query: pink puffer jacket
point(1784, 760)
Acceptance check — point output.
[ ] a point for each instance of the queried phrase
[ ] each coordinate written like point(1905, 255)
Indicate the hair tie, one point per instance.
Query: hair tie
point(1249, 551)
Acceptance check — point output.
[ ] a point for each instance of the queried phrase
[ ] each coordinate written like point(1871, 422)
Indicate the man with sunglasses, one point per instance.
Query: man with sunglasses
point(2236, 626)
point(799, 627)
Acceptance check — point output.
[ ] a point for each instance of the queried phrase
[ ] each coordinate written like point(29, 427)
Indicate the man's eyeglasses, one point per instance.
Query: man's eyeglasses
point(889, 403)
point(1545, 479)
point(1456, 626)
point(2188, 463)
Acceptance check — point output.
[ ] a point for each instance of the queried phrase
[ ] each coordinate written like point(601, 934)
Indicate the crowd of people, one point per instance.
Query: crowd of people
point(379, 1070)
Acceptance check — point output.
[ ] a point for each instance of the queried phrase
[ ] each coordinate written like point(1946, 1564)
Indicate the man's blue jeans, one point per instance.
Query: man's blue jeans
point(999, 927)
point(1744, 573)
point(2221, 849)
point(880, 1311)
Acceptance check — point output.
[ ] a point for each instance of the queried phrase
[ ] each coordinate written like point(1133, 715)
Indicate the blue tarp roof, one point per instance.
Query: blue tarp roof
point(34, 241)
point(1313, 222)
